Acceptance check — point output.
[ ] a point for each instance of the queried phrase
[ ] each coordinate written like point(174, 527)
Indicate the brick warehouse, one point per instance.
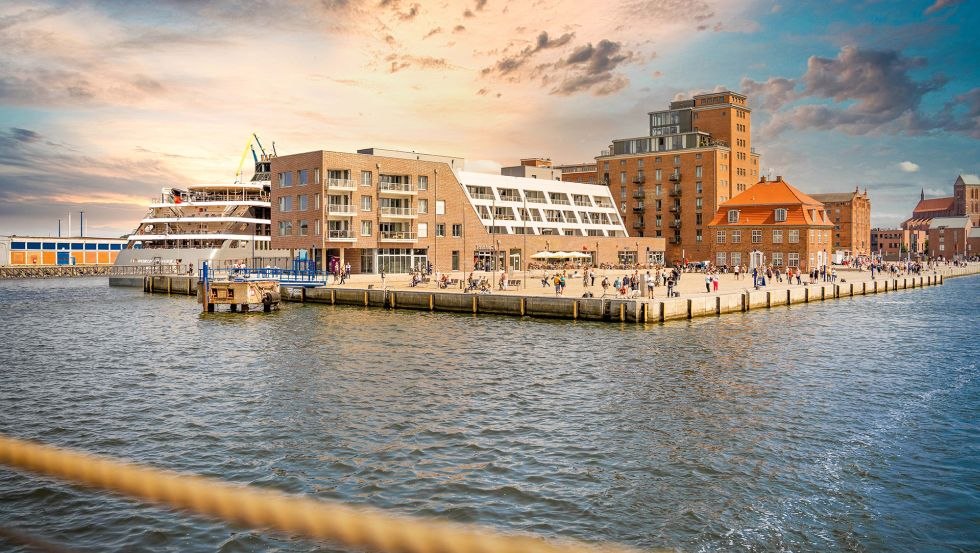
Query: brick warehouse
point(384, 209)
point(669, 183)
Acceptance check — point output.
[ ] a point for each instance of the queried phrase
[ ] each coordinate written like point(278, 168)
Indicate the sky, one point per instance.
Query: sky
point(104, 103)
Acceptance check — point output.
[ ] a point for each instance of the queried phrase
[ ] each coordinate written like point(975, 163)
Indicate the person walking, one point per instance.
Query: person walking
point(714, 282)
point(707, 283)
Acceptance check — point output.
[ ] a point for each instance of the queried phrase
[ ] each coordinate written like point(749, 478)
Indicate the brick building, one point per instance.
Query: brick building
point(390, 210)
point(948, 237)
point(891, 244)
point(851, 215)
point(695, 155)
point(966, 197)
point(585, 173)
point(771, 223)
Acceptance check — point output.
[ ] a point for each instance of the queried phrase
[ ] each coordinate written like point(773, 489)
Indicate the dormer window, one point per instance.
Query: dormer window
point(780, 215)
point(732, 215)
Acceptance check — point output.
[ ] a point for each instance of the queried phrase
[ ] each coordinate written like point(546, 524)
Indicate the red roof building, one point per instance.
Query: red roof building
point(771, 223)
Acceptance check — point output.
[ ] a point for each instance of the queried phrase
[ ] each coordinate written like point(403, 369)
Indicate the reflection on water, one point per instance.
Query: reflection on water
point(835, 426)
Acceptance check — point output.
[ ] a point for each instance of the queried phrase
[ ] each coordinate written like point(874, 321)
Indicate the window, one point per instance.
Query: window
point(304, 228)
point(777, 259)
point(365, 228)
point(285, 228)
point(736, 237)
point(732, 215)
point(304, 177)
point(316, 176)
point(366, 179)
point(365, 203)
point(777, 236)
point(794, 236)
point(622, 177)
point(698, 171)
point(316, 227)
point(677, 160)
point(658, 174)
point(698, 237)
point(780, 215)
point(423, 230)
point(285, 204)
point(316, 201)
point(720, 258)
point(736, 258)
point(756, 236)
point(793, 259)
point(423, 182)
point(698, 187)
point(285, 180)
point(457, 231)
point(720, 237)
point(698, 204)
point(423, 206)
point(440, 230)
point(440, 207)
point(303, 202)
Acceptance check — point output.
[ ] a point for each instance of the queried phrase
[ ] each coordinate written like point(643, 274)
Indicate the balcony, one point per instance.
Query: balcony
point(674, 240)
point(639, 179)
point(639, 194)
point(397, 236)
point(560, 201)
point(341, 235)
point(397, 188)
point(639, 208)
point(341, 184)
point(676, 223)
point(675, 177)
point(675, 208)
point(342, 210)
point(675, 191)
point(638, 224)
point(398, 212)
point(582, 203)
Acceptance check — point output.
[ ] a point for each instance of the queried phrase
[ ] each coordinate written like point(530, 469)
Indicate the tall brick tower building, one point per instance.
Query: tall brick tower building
point(696, 154)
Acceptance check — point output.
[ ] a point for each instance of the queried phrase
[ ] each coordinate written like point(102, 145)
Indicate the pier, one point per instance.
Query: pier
point(520, 303)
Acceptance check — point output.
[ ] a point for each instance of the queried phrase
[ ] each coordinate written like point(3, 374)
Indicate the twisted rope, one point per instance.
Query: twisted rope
point(267, 509)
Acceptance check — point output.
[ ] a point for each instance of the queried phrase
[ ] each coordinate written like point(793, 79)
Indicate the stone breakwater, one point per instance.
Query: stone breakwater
point(608, 308)
point(54, 272)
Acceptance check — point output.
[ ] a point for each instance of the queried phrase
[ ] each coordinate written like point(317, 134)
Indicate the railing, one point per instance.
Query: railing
point(341, 235)
point(582, 203)
point(341, 184)
point(503, 218)
point(341, 209)
point(639, 179)
point(536, 200)
point(405, 187)
point(560, 201)
point(639, 207)
point(675, 208)
point(675, 191)
point(674, 240)
point(637, 224)
point(504, 198)
point(398, 235)
point(398, 211)
point(676, 177)
point(675, 223)
point(188, 198)
point(639, 194)
point(554, 219)
point(147, 269)
point(481, 196)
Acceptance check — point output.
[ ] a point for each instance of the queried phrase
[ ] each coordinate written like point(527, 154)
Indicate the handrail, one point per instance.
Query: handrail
point(248, 506)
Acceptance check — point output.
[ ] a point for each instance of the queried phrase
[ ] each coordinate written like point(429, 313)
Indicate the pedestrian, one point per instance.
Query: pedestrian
point(592, 276)
point(714, 282)
point(557, 282)
point(649, 283)
point(707, 283)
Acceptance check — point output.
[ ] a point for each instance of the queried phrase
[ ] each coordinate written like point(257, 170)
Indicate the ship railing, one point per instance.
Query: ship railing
point(188, 198)
point(148, 269)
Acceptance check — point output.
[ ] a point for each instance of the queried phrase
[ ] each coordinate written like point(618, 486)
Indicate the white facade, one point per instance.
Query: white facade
point(516, 205)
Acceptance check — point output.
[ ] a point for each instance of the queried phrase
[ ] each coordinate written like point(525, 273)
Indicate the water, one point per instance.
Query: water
point(849, 425)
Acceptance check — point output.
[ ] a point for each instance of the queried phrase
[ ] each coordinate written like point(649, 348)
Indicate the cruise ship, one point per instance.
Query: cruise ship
point(224, 224)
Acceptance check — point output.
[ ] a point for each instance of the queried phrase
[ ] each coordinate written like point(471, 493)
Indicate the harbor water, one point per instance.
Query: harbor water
point(849, 425)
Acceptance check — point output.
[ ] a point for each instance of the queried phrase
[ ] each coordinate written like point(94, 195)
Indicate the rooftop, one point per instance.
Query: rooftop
point(969, 179)
point(957, 222)
point(934, 204)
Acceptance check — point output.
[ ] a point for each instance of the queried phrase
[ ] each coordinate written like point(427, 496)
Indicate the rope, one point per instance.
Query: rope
point(267, 509)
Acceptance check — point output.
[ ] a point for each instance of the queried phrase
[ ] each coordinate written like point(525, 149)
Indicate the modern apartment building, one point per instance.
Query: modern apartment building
point(851, 214)
point(771, 223)
point(393, 211)
point(533, 168)
point(668, 183)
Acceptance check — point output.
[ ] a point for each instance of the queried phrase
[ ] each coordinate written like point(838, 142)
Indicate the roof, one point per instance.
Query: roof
point(834, 197)
point(757, 205)
point(934, 204)
point(949, 222)
point(974, 233)
point(969, 179)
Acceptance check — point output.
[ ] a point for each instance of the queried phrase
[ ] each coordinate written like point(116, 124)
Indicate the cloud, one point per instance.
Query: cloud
point(403, 61)
point(908, 166)
point(480, 4)
point(940, 4)
point(591, 68)
point(510, 64)
point(861, 91)
point(435, 31)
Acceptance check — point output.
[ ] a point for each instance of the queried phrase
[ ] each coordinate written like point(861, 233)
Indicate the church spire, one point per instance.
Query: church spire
point(922, 195)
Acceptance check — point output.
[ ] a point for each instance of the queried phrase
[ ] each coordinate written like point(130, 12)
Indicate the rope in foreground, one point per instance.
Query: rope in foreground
point(267, 509)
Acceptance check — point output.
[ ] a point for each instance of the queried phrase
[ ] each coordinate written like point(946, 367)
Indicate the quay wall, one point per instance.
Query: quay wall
point(596, 309)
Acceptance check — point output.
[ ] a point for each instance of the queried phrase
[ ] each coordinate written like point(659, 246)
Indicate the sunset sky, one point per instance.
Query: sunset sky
point(104, 103)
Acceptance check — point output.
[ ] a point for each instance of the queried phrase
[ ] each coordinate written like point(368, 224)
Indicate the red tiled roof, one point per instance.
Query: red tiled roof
point(934, 204)
point(757, 205)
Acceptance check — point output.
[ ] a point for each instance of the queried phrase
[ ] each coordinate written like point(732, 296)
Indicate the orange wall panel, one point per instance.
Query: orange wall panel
point(103, 258)
point(90, 258)
point(17, 258)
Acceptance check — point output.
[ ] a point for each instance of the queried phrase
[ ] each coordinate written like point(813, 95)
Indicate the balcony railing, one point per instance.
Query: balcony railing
point(674, 240)
point(676, 223)
point(341, 235)
point(536, 200)
point(639, 207)
point(398, 211)
point(676, 177)
point(554, 219)
point(479, 196)
point(675, 208)
point(396, 187)
point(637, 224)
point(341, 184)
point(639, 194)
point(582, 203)
point(391, 235)
point(675, 191)
point(341, 209)
point(560, 201)
point(510, 198)
point(639, 179)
